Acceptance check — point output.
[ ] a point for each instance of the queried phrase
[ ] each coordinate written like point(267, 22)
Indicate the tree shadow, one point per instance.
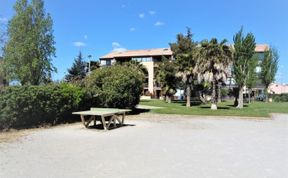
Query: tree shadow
point(100, 126)
point(218, 107)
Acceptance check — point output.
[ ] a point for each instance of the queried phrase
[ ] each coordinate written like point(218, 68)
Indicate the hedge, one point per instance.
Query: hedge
point(118, 86)
point(280, 97)
point(31, 106)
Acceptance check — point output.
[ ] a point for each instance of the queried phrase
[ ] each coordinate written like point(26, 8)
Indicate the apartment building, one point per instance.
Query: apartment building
point(150, 58)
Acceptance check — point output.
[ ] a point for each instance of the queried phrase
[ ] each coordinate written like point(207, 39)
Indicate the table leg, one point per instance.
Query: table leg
point(104, 123)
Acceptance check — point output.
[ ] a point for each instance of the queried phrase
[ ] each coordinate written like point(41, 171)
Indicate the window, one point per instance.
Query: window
point(142, 59)
point(108, 62)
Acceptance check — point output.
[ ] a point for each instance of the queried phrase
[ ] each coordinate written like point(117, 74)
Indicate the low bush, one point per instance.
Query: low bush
point(30, 106)
point(118, 86)
point(281, 98)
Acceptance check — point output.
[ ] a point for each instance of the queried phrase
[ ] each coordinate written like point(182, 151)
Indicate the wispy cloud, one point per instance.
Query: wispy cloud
point(3, 19)
point(117, 47)
point(132, 29)
point(157, 24)
point(152, 12)
point(142, 16)
point(79, 44)
point(85, 37)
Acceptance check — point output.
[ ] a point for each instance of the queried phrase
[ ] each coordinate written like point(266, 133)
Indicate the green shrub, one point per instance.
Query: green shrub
point(30, 106)
point(280, 98)
point(117, 86)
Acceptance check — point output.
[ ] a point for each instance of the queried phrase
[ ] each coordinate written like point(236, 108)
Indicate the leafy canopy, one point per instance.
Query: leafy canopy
point(30, 47)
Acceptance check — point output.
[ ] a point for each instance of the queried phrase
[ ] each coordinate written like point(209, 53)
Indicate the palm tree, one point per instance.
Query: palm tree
point(213, 64)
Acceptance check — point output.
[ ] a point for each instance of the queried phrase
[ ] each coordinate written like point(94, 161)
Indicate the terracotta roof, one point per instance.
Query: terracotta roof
point(160, 52)
point(261, 47)
point(139, 53)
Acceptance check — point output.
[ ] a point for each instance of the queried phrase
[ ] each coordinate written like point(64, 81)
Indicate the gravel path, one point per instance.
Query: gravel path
point(153, 146)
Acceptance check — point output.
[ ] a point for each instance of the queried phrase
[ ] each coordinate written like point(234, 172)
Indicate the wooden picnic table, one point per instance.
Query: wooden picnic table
point(111, 115)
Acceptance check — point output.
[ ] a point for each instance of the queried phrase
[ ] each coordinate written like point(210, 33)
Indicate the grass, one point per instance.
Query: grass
point(255, 109)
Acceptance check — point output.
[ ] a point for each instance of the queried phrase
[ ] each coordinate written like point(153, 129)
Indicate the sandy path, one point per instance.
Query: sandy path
point(157, 146)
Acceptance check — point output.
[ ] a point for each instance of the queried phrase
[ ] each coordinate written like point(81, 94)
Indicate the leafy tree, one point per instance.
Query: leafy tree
point(252, 75)
point(184, 51)
point(213, 63)
point(30, 47)
point(78, 70)
point(118, 86)
point(269, 67)
point(244, 47)
point(166, 75)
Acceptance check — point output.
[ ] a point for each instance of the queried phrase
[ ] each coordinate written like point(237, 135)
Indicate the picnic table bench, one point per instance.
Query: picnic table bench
point(109, 115)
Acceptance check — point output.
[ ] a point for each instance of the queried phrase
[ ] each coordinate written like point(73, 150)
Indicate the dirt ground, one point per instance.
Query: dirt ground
point(151, 146)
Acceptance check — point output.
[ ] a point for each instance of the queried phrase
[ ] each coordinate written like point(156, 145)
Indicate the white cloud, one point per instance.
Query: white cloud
point(79, 44)
point(159, 23)
point(117, 47)
point(132, 29)
point(85, 37)
point(152, 12)
point(142, 16)
point(3, 20)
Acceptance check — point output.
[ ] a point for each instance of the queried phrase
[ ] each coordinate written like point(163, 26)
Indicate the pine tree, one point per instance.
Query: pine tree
point(244, 47)
point(184, 51)
point(30, 46)
point(269, 67)
point(78, 70)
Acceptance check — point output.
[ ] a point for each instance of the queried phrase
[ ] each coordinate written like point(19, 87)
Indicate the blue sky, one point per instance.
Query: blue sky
point(98, 27)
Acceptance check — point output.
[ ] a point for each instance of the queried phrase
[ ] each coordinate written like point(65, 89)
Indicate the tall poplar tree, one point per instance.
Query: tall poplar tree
point(244, 47)
point(269, 67)
point(30, 46)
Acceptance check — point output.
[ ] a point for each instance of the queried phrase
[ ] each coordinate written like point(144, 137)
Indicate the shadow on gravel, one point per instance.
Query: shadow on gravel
point(100, 127)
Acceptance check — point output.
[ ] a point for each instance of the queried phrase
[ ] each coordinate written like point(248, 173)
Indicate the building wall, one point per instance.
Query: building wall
point(150, 69)
point(278, 88)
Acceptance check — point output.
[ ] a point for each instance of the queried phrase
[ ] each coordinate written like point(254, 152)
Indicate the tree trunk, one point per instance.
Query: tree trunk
point(249, 95)
point(213, 99)
point(266, 94)
point(219, 93)
point(168, 99)
point(188, 95)
point(240, 98)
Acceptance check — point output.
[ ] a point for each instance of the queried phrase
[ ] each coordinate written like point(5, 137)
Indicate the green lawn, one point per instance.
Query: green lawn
point(255, 109)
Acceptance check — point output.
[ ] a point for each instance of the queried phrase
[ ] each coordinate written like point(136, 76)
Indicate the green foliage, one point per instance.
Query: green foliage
point(269, 66)
point(213, 64)
point(252, 75)
point(244, 49)
point(78, 70)
point(30, 47)
point(280, 98)
point(184, 52)
point(29, 106)
point(166, 75)
point(118, 86)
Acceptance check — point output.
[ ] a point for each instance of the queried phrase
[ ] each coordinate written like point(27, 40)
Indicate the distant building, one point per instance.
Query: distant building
point(275, 88)
point(150, 58)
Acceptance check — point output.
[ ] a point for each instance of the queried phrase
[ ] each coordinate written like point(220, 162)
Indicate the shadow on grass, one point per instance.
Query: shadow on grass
point(232, 105)
point(219, 107)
